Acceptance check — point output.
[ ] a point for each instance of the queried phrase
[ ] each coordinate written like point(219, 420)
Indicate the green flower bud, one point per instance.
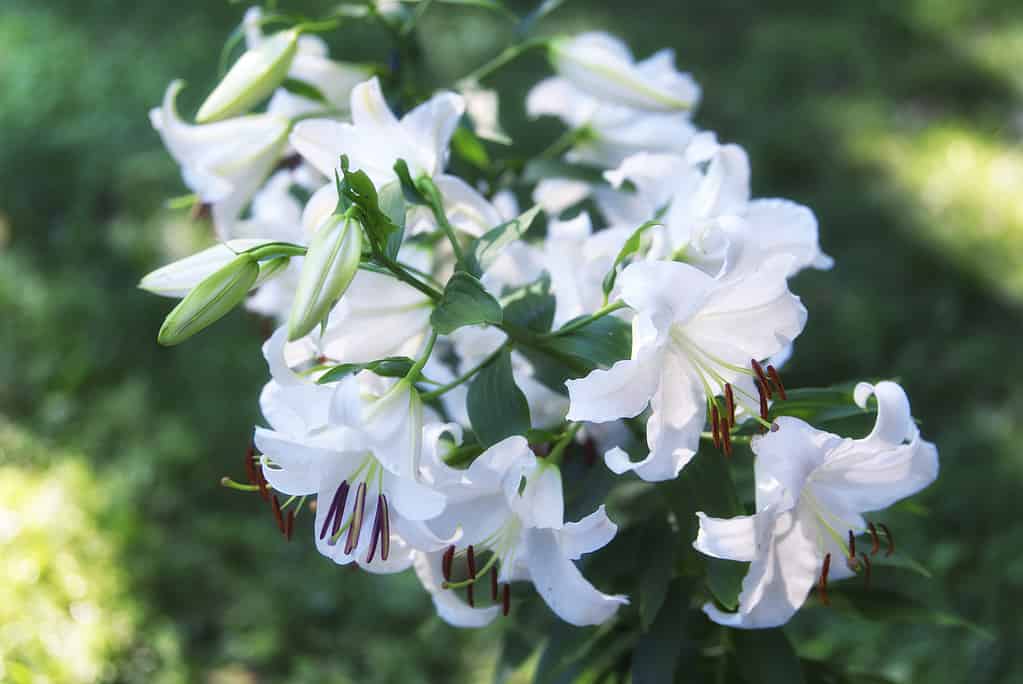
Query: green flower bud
point(253, 77)
point(271, 268)
point(330, 264)
point(210, 300)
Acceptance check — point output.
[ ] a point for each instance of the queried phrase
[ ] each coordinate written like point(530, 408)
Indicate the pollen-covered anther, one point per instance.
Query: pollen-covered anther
point(852, 545)
point(866, 569)
point(446, 561)
point(375, 535)
point(776, 382)
point(889, 537)
point(506, 600)
point(726, 441)
point(385, 531)
point(763, 392)
point(355, 524)
point(470, 563)
point(715, 425)
point(761, 376)
point(730, 404)
point(822, 584)
point(332, 520)
point(875, 539)
point(493, 584)
point(289, 525)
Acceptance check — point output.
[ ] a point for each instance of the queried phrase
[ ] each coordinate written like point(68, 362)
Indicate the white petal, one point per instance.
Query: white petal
point(782, 226)
point(558, 97)
point(894, 419)
point(321, 143)
point(556, 195)
point(786, 457)
point(593, 532)
point(677, 413)
point(622, 391)
point(178, 278)
point(562, 586)
point(431, 125)
point(413, 500)
point(369, 108)
point(541, 503)
point(727, 538)
point(666, 291)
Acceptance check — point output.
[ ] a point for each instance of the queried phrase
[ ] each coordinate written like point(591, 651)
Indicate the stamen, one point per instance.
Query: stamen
point(776, 381)
point(506, 600)
point(715, 425)
point(385, 531)
point(493, 584)
point(730, 404)
point(726, 438)
point(866, 568)
point(355, 531)
point(445, 564)
point(852, 546)
point(469, 597)
point(763, 399)
point(260, 480)
point(877, 541)
point(337, 505)
point(275, 505)
point(470, 561)
point(822, 586)
point(759, 370)
point(377, 522)
point(891, 539)
point(231, 484)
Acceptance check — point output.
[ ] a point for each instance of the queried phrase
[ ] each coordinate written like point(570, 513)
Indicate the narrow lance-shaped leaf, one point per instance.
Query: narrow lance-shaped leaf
point(464, 302)
point(630, 247)
point(496, 406)
point(484, 250)
point(210, 300)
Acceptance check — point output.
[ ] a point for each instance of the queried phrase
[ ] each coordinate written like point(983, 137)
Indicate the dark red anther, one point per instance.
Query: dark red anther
point(715, 424)
point(891, 539)
point(877, 541)
point(275, 505)
point(763, 399)
point(759, 370)
point(730, 404)
point(726, 441)
point(506, 600)
point(866, 569)
point(355, 527)
point(470, 561)
point(852, 546)
point(289, 525)
point(445, 563)
point(822, 585)
point(493, 584)
point(375, 535)
point(385, 531)
point(261, 481)
point(776, 381)
point(470, 598)
point(336, 510)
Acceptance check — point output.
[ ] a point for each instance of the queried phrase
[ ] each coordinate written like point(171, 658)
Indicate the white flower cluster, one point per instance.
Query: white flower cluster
point(704, 289)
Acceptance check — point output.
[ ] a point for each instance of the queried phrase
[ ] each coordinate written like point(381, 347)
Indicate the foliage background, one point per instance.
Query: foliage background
point(122, 560)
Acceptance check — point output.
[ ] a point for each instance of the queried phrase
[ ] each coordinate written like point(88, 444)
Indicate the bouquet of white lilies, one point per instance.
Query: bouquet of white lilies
point(567, 399)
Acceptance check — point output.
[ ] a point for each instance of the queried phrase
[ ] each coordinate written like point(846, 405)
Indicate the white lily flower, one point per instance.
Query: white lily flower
point(356, 445)
point(177, 279)
point(334, 80)
point(691, 336)
point(711, 221)
point(376, 139)
point(510, 504)
point(225, 162)
point(812, 488)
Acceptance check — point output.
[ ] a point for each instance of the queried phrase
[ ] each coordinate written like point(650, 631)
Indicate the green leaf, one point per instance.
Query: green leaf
point(656, 656)
point(559, 358)
point(516, 647)
point(468, 147)
point(355, 187)
point(464, 302)
point(883, 604)
point(659, 539)
point(390, 367)
point(497, 408)
point(532, 306)
point(408, 186)
point(303, 89)
point(823, 407)
point(765, 656)
point(528, 22)
point(630, 247)
point(484, 250)
point(392, 203)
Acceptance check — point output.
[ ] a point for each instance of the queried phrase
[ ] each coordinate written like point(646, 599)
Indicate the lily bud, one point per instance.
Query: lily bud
point(210, 300)
point(271, 268)
point(179, 278)
point(254, 76)
point(329, 266)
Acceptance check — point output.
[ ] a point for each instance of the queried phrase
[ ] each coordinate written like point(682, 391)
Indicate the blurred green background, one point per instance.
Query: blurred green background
point(122, 560)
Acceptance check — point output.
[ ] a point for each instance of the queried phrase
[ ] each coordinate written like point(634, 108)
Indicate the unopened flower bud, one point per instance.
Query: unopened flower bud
point(210, 300)
point(271, 268)
point(179, 278)
point(329, 266)
point(254, 76)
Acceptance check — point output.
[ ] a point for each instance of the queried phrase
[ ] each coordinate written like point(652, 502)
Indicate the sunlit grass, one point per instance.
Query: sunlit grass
point(63, 605)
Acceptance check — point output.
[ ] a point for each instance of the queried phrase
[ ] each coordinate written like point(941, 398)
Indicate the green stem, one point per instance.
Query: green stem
point(433, 394)
point(562, 444)
point(507, 55)
point(275, 250)
point(404, 276)
point(417, 367)
point(426, 186)
point(583, 322)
